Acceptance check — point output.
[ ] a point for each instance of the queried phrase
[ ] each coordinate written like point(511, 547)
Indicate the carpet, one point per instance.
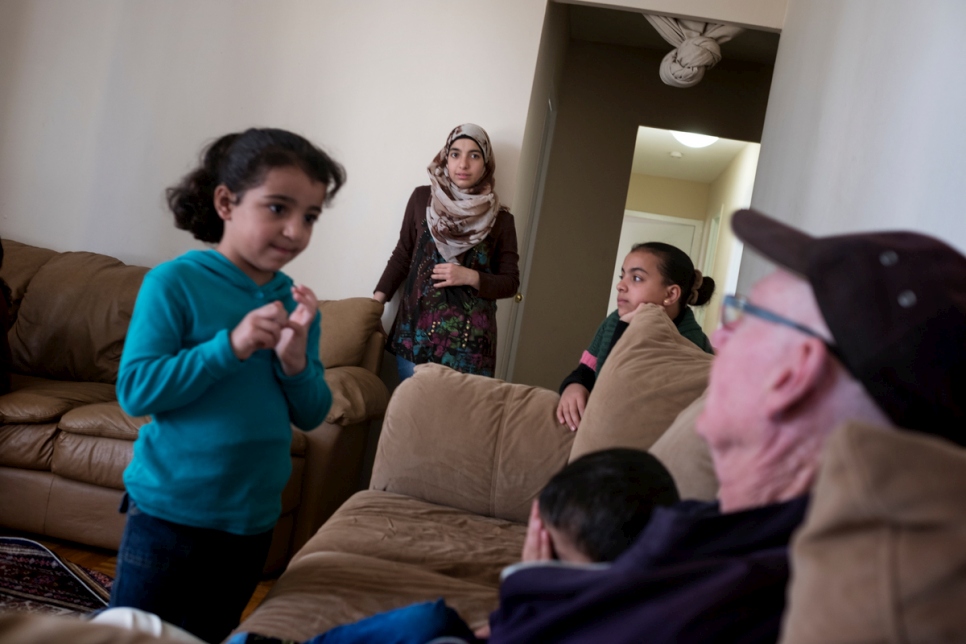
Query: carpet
point(33, 579)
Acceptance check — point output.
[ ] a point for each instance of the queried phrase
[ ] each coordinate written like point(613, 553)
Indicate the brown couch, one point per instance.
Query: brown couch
point(459, 461)
point(64, 441)
point(879, 559)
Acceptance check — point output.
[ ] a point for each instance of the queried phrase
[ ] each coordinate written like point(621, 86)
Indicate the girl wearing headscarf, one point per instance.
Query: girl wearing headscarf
point(456, 255)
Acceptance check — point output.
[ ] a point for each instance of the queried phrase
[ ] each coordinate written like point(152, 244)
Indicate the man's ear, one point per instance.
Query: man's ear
point(224, 201)
point(799, 375)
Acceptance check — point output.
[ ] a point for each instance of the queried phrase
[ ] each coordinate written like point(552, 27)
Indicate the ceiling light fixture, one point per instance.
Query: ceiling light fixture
point(694, 140)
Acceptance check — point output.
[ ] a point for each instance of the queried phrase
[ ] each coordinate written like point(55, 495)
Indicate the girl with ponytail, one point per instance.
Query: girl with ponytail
point(653, 273)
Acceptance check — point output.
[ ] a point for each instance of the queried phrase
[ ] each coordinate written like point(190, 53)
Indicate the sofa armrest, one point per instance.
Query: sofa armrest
point(358, 395)
point(469, 442)
point(375, 350)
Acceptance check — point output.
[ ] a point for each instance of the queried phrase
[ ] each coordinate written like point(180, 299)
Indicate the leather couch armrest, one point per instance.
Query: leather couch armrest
point(375, 350)
point(357, 395)
point(469, 442)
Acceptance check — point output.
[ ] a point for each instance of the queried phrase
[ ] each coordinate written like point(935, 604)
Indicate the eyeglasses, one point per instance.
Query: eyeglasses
point(736, 307)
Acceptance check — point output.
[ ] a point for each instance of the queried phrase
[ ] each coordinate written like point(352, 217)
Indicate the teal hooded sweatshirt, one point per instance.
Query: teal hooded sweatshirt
point(217, 451)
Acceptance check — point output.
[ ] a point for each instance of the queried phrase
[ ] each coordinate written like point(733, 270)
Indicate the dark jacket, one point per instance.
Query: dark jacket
point(693, 575)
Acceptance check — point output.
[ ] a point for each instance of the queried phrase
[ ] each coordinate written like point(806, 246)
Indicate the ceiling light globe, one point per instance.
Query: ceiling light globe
point(694, 140)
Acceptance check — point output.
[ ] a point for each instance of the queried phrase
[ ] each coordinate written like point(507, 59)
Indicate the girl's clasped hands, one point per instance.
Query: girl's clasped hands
point(271, 327)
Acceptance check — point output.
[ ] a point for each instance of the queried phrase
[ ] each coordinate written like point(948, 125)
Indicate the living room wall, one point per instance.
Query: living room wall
point(104, 103)
point(864, 128)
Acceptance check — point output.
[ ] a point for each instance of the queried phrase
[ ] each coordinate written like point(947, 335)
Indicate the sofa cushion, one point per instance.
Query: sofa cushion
point(322, 590)
point(27, 446)
point(346, 327)
point(39, 400)
point(20, 263)
point(651, 375)
point(473, 443)
point(105, 420)
point(357, 395)
point(880, 557)
point(88, 459)
point(74, 316)
point(398, 528)
point(686, 455)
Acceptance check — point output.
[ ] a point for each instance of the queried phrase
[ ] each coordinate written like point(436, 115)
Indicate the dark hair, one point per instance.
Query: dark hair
point(240, 161)
point(604, 499)
point(677, 268)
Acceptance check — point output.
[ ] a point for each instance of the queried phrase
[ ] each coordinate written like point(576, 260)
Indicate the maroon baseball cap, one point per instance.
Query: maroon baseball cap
point(895, 303)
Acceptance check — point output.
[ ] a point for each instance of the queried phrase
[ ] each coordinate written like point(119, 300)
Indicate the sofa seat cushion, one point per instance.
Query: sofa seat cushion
point(444, 540)
point(321, 590)
point(30, 447)
point(91, 459)
point(105, 420)
point(108, 420)
point(40, 400)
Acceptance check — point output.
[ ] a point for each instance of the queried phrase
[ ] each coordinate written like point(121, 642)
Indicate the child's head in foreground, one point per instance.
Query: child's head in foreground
point(257, 195)
point(595, 507)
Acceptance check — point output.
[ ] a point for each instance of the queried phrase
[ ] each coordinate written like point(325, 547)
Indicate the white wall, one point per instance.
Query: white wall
point(104, 103)
point(865, 122)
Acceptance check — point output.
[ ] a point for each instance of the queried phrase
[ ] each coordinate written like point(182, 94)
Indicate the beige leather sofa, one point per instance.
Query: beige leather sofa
point(64, 441)
point(879, 559)
point(459, 461)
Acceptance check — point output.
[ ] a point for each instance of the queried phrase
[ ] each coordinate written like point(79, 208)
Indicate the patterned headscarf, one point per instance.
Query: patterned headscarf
point(460, 219)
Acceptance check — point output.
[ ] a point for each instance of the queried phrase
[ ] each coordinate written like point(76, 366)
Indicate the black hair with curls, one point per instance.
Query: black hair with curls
point(240, 161)
point(603, 500)
point(677, 268)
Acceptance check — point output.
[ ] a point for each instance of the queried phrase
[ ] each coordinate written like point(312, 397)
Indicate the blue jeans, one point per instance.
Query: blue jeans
point(405, 368)
point(414, 624)
point(195, 578)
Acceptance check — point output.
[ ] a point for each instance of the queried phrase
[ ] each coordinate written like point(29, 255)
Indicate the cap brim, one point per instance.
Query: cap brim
point(782, 244)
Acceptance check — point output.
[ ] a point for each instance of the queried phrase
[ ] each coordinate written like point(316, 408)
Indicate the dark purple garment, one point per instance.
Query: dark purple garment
point(693, 575)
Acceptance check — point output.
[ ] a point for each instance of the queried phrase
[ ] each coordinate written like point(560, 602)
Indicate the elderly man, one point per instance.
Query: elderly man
point(868, 327)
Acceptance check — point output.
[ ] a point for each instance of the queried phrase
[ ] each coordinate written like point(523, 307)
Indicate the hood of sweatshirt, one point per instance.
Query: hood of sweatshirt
point(278, 287)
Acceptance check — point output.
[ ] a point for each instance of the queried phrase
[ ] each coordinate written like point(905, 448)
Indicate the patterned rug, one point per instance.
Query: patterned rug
point(33, 579)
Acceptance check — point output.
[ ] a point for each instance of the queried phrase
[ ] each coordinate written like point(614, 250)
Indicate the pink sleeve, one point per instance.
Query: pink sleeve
point(589, 360)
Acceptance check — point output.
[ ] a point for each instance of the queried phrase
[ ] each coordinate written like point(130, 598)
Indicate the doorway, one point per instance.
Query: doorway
point(686, 234)
point(608, 89)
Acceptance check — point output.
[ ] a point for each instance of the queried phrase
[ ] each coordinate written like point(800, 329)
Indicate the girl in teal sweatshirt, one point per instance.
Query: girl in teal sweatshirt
point(223, 354)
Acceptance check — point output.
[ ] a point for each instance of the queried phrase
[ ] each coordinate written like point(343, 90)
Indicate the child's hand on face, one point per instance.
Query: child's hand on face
point(536, 546)
point(260, 329)
point(572, 403)
point(291, 344)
